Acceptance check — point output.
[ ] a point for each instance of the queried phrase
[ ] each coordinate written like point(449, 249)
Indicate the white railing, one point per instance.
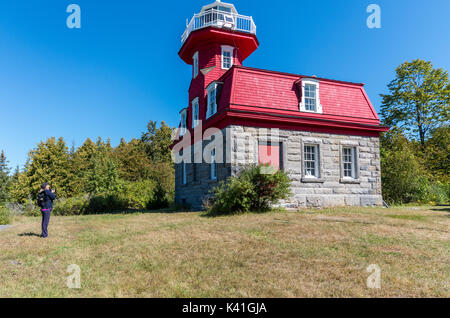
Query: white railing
point(222, 19)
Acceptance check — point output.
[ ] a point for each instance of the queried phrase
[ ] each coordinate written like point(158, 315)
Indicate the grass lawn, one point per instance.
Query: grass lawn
point(311, 253)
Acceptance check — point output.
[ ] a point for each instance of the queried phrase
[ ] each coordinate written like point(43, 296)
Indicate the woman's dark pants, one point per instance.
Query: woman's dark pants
point(45, 221)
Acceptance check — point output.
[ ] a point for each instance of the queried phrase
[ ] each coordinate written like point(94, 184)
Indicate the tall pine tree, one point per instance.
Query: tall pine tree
point(4, 179)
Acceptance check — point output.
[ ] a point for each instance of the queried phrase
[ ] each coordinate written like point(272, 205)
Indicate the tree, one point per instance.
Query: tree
point(81, 163)
point(403, 175)
point(157, 142)
point(102, 174)
point(4, 179)
point(49, 162)
point(437, 155)
point(133, 163)
point(418, 99)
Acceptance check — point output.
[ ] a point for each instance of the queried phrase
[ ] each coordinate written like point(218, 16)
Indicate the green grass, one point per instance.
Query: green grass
point(310, 253)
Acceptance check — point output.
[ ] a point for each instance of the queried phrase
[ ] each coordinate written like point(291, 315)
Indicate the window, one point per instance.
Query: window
point(213, 164)
point(227, 57)
point(194, 172)
point(348, 162)
point(183, 124)
point(311, 161)
point(184, 173)
point(310, 96)
point(195, 64)
point(270, 153)
point(195, 112)
point(211, 108)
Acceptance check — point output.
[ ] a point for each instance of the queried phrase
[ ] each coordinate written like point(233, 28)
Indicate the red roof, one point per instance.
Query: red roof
point(278, 93)
point(263, 98)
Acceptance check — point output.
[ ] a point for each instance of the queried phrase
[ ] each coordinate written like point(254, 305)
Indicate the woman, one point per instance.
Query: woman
point(46, 197)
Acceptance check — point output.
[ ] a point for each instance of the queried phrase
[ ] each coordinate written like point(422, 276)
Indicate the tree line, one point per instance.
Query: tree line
point(136, 174)
point(415, 153)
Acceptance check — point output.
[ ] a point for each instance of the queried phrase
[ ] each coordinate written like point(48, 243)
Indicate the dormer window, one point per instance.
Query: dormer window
point(195, 65)
point(310, 96)
point(227, 57)
point(211, 107)
point(183, 124)
point(195, 112)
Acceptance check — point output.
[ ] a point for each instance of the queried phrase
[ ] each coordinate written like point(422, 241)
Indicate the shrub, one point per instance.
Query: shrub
point(164, 193)
point(161, 198)
point(105, 203)
point(256, 188)
point(404, 179)
point(4, 216)
point(436, 193)
point(138, 194)
point(71, 206)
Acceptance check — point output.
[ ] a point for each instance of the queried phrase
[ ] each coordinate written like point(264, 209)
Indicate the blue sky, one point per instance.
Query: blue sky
point(121, 68)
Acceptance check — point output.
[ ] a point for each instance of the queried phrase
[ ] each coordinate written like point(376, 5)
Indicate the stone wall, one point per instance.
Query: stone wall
point(198, 173)
point(330, 189)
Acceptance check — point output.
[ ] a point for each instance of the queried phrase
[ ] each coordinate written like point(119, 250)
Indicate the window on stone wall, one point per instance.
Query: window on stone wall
point(270, 153)
point(213, 164)
point(311, 161)
point(184, 173)
point(194, 172)
point(349, 162)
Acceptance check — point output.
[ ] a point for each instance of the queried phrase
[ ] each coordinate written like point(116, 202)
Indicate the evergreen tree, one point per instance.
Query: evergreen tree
point(132, 159)
point(81, 165)
point(4, 179)
point(158, 141)
point(49, 162)
point(103, 175)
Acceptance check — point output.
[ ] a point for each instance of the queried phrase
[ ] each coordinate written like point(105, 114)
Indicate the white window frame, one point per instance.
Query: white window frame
point(195, 112)
point(316, 161)
point(211, 107)
point(352, 162)
point(314, 82)
point(183, 124)
point(195, 64)
point(229, 49)
point(184, 173)
point(213, 164)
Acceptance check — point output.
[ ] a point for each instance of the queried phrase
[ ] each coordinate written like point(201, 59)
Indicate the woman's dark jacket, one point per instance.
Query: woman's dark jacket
point(48, 200)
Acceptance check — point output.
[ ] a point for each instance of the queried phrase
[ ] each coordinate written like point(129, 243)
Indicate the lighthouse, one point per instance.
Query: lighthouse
point(326, 131)
point(215, 40)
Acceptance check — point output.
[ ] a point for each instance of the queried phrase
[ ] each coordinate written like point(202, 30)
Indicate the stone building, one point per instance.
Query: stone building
point(324, 133)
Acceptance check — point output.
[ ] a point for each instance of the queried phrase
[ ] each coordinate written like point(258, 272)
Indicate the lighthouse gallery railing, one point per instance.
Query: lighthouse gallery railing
point(222, 19)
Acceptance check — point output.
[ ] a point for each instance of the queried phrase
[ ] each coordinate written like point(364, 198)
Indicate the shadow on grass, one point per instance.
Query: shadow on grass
point(210, 214)
point(175, 209)
point(442, 208)
point(29, 234)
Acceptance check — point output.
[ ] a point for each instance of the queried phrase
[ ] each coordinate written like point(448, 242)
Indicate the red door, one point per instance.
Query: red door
point(270, 154)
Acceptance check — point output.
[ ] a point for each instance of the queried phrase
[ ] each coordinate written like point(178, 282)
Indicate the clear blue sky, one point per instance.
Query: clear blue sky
point(121, 68)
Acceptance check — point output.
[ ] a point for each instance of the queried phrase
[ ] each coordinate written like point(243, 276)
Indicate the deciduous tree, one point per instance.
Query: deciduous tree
point(418, 99)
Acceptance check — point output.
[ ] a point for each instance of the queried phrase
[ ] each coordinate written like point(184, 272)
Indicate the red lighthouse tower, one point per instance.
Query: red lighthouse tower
point(215, 39)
